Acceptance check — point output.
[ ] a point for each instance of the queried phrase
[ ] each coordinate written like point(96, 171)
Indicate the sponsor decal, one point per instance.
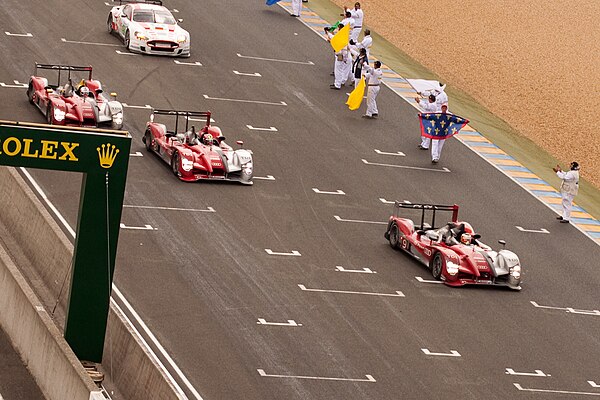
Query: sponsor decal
point(45, 149)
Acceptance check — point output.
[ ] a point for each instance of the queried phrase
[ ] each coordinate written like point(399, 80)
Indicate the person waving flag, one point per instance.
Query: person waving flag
point(356, 97)
point(439, 127)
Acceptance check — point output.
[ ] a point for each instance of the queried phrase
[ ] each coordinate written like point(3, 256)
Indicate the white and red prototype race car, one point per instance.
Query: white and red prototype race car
point(453, 251)
point(197, 155)
point(148, 27)
point(66, 103)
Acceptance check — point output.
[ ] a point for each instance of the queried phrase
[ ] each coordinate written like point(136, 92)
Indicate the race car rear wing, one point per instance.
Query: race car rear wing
point(434, 208)
point(68, 68)
point(186, 114)
point(156, 2)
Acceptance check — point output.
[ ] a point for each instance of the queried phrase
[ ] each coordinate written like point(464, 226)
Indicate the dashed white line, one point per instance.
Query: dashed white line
point(281, 103)
point(568, 309)
point(339, 268)
point(144, 107)
point(194, 64)
point(17, 85)
point(339, 192)
point(255, 74)
point(370, 378)
point(276, 60)
point(453, 353)
point(537, 372)
point(337, 217)
point(290, 322)
point(64, 40)
point(518, 386)
point(265, 178)
point(19, 34)
point(593, 384)
point(444, 169)
point(207, 209)
point(542, 230)
point(426, 281)
point(124, 53)
point(146, 227)
point(269, 129)
point(397, 153)
point(275, 253)
point(397, 294)
point(136, 154)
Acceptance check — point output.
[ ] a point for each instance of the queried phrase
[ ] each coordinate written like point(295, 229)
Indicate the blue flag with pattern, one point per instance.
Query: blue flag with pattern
point(441, 126)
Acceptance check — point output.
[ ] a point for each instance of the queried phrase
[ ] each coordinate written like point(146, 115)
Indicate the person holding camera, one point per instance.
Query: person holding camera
point(568, 189)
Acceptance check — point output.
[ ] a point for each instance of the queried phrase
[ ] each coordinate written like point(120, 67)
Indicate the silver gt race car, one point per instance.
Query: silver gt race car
point(148, 27)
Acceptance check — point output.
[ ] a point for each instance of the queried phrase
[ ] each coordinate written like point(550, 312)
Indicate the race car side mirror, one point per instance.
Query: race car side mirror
point(433, 237)
point(420, 232)
point(240, 142)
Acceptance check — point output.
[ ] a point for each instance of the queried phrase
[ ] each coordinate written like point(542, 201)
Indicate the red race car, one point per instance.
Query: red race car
point(196, 155)
point(82, 104)
point(453, 251)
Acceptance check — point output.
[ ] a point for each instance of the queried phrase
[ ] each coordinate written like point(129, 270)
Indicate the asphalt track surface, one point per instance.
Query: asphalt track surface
point(201, 280)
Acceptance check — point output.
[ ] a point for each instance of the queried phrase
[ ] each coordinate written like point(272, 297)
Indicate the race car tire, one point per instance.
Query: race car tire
point(148, 141)
point(109, 24)
point(127, 40)
point(30, 93)
point(437, 266)
point(394, 236)
point(49, 114)
point(175, 163)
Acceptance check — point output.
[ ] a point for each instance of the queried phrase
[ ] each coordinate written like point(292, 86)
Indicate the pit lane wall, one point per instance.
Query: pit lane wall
point(36, 336)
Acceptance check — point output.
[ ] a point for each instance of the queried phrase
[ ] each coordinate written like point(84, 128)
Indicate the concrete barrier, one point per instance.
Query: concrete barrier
point(48, 252)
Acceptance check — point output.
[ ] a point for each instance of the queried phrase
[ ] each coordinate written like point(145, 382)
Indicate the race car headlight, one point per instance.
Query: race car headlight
point(181, 39)
point(451, 268)
point(118, 117)
point(59, 114)
point(247, 168)
point(140, 36)
point(186, 164)
point(515, 272)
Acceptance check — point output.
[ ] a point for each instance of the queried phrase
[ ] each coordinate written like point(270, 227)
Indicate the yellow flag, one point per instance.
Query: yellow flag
point(356, 97)
point(341, 39)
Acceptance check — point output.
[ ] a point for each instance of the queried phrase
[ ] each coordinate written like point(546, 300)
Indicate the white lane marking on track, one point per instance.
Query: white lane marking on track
point(208, 209)
point(518, 386)
point(453, 353)
point(593, 384)
point(426, 280)
point(269, 129)
point(123, 299)
point(136, 154)
point(276, 60)
point(360, 271)
point(537, 372)
point(17, 84)
point(194, 64)
point(397, 294)
point(341, 192)
point(125, 53)
point(568, 309)
point(64, 40)
point(384, 201)
point(385, 153)
point(542, 230)
point(146, 227)
point(337, 217)
point(281, 103)
point(370, 378)
point(444, 169)
point(274, 253)
point(256, 74)
point(290, 322)
point(144, 107)
point(265, 178)
point(19, 34)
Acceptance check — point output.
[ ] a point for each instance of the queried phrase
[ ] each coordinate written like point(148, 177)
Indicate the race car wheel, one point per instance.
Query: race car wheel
point(30, 92)
point(148, 140)
point(127, 40)
point(394, 237)
point(49, 114)
point(437, 265)
point(109, 24)
point(175, 164)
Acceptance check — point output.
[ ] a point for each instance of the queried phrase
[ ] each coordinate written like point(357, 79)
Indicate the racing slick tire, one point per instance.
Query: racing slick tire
point(175, 164)
point(394, 236)
point(127, 40)
point(49, 114)
point(148, 140)
point(109, 24)
point(30, 92)
point(437, 266)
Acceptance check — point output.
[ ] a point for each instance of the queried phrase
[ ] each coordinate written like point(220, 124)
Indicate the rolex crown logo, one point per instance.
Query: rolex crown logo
point(107, 155)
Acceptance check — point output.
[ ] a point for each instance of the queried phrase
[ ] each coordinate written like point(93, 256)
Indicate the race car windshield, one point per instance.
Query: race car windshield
point(157, 17)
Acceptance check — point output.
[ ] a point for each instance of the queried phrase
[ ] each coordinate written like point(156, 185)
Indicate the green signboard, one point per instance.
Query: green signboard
point(103, 157)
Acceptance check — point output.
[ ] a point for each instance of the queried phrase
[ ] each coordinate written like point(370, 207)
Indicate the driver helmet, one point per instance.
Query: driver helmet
point(468, 228)
point(208, 139)
point(465, 238)
point(84, 91)
point(215, 131)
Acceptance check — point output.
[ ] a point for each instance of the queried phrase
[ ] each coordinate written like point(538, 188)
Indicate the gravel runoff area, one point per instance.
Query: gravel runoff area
point(534, 63)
